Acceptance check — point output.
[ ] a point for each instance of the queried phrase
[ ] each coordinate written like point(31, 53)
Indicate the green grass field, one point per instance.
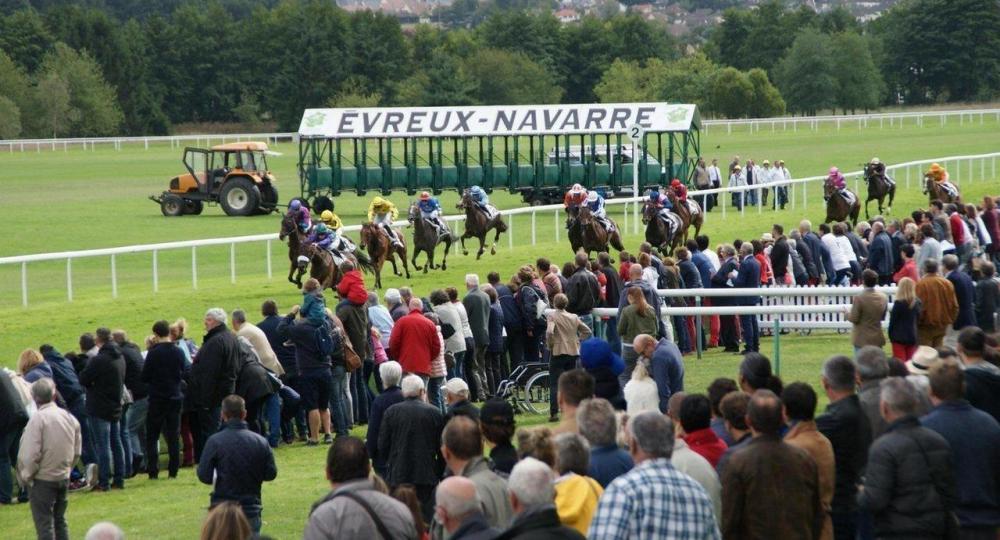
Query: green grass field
point(56, 200)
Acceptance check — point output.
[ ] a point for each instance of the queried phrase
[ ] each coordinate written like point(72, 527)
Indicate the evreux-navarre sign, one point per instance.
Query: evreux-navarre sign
point(495, 120)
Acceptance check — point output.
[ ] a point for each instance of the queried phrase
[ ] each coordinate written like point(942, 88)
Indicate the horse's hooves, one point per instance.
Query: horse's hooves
point(444, 266)
point(465, 252)
point(493, 251)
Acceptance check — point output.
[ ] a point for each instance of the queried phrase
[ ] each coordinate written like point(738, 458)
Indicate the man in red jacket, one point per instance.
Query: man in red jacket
point(414, 341)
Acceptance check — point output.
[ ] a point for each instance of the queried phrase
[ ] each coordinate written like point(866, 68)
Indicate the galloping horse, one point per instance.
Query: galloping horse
point(683, 211)
point(380, 249)
point(477, 225)
point(878, 189)
point(426, 237)
point(937, 192)
point(324, 269)
point(290, 229)
point(593, 236)
point(658, 233)
point(837, 208)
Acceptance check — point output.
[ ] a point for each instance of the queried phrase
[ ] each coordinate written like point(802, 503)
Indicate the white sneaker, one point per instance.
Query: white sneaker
point(90, 474)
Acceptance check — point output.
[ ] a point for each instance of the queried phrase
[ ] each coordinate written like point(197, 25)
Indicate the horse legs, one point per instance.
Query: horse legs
point(866, 207)
point(402, 258)
point(413, 260)
point(496, 238)
point(461, 239)
point(892, 197)
point(291, 272)
point(447, 248)
point(482, 246)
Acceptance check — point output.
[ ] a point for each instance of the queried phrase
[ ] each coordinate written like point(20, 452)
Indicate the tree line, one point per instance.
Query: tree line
point(85, 69)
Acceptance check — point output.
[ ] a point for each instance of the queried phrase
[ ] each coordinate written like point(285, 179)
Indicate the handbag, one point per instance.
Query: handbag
point(351, 358)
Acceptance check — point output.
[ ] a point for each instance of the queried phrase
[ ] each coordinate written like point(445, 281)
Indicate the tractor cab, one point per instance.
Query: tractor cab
point(234, 175)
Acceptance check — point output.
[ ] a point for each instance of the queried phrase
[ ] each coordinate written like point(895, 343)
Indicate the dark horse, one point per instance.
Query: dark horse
point(658, 233)
point(477, 225)
point(325, 270)
point(878, 190)
point(290, 230)
point(381, 249)
point(593, 236)
point(837, 208)
point(938, 193)
point(426, 237)
point(688, 219)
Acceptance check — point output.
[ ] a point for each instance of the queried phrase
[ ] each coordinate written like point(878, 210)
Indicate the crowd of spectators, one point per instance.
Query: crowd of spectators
point(629, 453)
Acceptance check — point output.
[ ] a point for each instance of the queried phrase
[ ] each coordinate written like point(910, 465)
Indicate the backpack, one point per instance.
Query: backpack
point(15, 414)
point(541, 304)
point(325, 342)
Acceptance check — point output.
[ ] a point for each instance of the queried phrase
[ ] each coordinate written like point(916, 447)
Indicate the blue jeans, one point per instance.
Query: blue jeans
point(680, 328)
point(751, 333)
point(272, 412)
point(338, 416)
point(611, 334)
point(79, 411)
point(126, 440)
point(434, 396)
point(359, 396)
point(588, 320)
point(9, 444)
point(108, 440)
point(136, 422)
point(459, 369)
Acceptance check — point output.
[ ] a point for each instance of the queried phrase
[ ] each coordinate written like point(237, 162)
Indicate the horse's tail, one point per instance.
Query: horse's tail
point(501, 224)
point(365, 262)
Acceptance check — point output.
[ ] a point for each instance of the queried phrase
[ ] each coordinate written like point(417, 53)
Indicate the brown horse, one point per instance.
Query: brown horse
point(936, 192)
point(683, 211)
point(381, 249)
point(426, 237)
point(323, 267)
point(477, 225)
point(290, 229)
point(878, 190)
point(593, 235)
point(837, 208)
point(658, 233)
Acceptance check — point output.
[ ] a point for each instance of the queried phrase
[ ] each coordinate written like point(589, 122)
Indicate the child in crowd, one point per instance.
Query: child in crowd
point(313, 303)
point(352, 285)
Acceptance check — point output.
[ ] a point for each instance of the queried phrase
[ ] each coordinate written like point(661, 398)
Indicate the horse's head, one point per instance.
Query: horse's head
point(367, 234)
point(414, 213)
point(649, 211)
point(828, 188)
point(288, 227)
point(465, 201)
point(928, 184)
point(306, 254)
point(584, 216)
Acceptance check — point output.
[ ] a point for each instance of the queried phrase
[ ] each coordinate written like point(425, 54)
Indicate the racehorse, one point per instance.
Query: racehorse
point(937, 192)
point(380, 249)
point(477, 225)
point(684, 212)
point(658, 233)
point(426, 238)
point(878, 189)
point(324, 269)
point(290, 229)
point(573, 229)
point(837, 208)
point(593, 235)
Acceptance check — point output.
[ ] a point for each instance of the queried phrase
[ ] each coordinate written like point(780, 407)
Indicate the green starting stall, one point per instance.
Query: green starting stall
point(538, 151)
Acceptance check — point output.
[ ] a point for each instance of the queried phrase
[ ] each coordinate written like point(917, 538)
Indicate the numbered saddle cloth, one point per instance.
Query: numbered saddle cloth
point(490, 211)
point(848, 196)
point(693, 207)
point(950, 189)
point(673, 222)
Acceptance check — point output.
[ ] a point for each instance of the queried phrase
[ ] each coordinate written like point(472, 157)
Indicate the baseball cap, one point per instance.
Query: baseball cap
point(456, 386)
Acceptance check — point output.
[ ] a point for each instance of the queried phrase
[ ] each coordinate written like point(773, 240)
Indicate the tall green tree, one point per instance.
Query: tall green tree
point(93, 106)
point(859, 83)
point(379, 54)
point(688, 80)
point(630, 37)
point(731, 93)
point(10, 118)
point(24, 37)
point(535, 35)
point(54, 115)
point(14, 83)
point(445, 82)
point(766, 100)
point(586, 56)
point(805, 75)
point(632, 81)
point(505, 77)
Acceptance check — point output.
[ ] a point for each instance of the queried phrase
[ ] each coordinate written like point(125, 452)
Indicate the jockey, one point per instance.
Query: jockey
point(340, 242)
point(836, 179)
point(661, 201)
point(321, 236)
point(430, 209)
point(301, 213)
point(940, 177)
point(596, 205)
point(382, 212)
point(877, 169)
point(482, 201)
point(679, 189)
point(575, 197)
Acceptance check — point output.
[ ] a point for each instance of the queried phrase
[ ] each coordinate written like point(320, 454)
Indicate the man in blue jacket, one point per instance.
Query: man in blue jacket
point(821, 255)
point(748, 277)
point(880, 254)
point(722, 279)
point(965, 294)
point(237, 461)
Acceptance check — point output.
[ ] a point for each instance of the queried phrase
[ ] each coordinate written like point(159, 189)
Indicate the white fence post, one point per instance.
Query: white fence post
point(114, 278)
point(156, 272)
point(510, 233)
point(24, 284)
point(69, 279)
point(194, 267)
point(555, 215)
point(532, 228)
point(268, 244)
point(232, 262)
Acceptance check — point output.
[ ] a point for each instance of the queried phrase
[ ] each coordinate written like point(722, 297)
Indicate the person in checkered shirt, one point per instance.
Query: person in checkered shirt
point(654, 500)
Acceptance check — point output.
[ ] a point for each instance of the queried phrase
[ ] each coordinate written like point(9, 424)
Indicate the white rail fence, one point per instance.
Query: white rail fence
point(754, 125)
point(963, 169)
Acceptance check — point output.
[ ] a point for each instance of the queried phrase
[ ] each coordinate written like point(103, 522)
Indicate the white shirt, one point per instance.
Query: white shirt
point(737, 179)
point(764, 175)
point(713, 257)
point(651, 276)
point(464, 317)
point(837, 255)
point(714, 174)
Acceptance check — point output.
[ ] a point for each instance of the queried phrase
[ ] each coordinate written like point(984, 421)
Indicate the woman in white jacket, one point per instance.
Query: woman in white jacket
point(640, 392)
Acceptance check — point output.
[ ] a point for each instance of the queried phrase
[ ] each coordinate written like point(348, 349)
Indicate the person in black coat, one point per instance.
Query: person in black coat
point(104, 378)
point(133, 426)
point(511, 321)
point(286, 357)
point(780, 254)
point(881, 254)
point(584, 292)
point(391, 373)
point(820, 254)
point(987, 297)
point(909, 486)
point(965, 293)
point(213, 375)
point(254, 384)
point(163, 372)
point(533, 327)
point(410, 442)
point(748, 277)
point(722, 279)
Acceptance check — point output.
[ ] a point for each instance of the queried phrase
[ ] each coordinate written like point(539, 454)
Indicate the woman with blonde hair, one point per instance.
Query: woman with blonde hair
point(903, 320)
point(226, 522)
point(641, 393)
point(32, 366)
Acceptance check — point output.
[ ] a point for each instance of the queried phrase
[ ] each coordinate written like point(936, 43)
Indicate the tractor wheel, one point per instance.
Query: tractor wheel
point(171, 205)
point(322, 203)
point(239, 197)
point(268, 198)
point(193, 207)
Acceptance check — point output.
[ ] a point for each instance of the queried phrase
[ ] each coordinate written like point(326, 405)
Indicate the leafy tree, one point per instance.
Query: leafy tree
point(586, 57)
point(53, 111)
point(839, 19)
point(445, 82)
point(14, 84)
point(731, 92)
point(24, 37)
point(537, 36)
point(247, 112)
point(859, 83)
point(379, 54)
point(805, 75)
point(505, 77)
point(94, 109)
point(767, 100)
point(632, 81)
point(729, 36)
point(10, 118)
point(352, 99)
point(688, 80)
point(630, 37)
point(767, 39)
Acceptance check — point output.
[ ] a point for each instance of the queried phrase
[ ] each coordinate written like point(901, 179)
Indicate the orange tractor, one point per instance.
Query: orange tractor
point(233, 175)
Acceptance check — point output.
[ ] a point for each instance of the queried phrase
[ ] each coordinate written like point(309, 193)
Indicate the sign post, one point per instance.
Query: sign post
point(637, 133)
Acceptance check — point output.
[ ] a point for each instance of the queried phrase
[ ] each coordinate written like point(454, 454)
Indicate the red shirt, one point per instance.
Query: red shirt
point(766, 274)
point(707, 444)
point(414, 343)
point(909, 269)
point(957, 229)
point(352, 287)
point(623, 270)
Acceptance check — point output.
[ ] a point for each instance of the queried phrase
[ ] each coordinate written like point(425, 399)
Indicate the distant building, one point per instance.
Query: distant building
point(567, 16)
